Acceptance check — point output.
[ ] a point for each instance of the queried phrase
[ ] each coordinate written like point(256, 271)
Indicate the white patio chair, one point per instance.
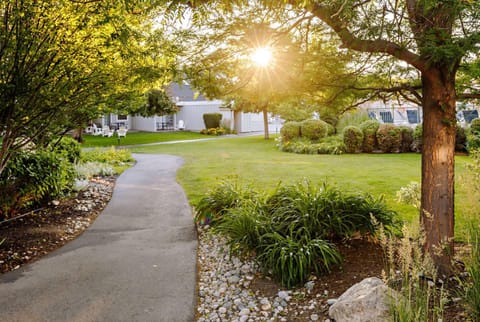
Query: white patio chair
point(107, 132)
point(122, 131)
point(181, 125)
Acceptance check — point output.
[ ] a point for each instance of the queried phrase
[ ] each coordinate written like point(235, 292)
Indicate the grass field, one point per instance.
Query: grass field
point(133, 138)
point(256, 161)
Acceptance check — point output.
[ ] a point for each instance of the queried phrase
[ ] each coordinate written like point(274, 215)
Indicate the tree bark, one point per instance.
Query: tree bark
point(265, 122)
point(438, 152)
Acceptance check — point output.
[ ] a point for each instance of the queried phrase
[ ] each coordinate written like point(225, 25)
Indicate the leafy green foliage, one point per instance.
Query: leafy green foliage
point(352, 118)
point(290, 130)
point(417, 138)
point(110, 156)
point(472, 289)
point(32, 179)
point(475, 126)
point(327, 145)
point(352, 138)
point(369, 129)
point(158, 103)
point(389, 138)
point(460, 139)
point(314, 130)
point(406, 134)
point(67, 147)
point(473, 137)
point(288, 229)
point(217, 202)
point(212, 120)
point(291, 260)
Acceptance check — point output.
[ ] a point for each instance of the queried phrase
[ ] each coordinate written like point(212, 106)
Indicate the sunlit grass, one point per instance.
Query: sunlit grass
point(133, 138)
point(257, 161)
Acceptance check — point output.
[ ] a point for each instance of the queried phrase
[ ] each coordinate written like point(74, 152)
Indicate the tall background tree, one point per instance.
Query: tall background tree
point(65, 62)
point(426, 40)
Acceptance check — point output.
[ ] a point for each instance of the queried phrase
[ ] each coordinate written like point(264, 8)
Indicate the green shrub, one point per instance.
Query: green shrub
point(369, 129)
point(353, 139)
point(111, 156)
point(325, 212)
point(219, 200)
point(417, 138)
point(460, 139)
point(212, 120)
point(472, 287)
point(291, 261)
point(475, 126)
point(244, 226)
point(299, 145)
point(389, 138)
point(407, 138)
point(314, 130)
point(331, 145)
point(32, 179)
point(330, 129)
point(290, 131)
point(68, 147)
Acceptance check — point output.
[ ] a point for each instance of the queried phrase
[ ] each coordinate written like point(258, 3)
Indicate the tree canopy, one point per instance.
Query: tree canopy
point(65, 62)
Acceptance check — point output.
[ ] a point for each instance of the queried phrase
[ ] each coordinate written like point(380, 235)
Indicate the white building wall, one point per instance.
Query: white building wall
point(144, 124)
point(192, 113)
point(250, 122)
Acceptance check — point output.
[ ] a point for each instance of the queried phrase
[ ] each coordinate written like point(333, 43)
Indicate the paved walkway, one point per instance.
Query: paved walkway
point(137, 262)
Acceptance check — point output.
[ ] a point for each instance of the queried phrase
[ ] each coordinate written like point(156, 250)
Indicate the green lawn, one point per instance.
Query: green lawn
point(139, 138)
point(257, 161)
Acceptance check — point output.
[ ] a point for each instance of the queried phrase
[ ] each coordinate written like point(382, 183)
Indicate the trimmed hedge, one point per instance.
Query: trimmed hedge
point(369, 129)
point(212, 120)
point(417, 138)
point(407, 138)
point(290, 130)
point(314, 129)
point(389, 138)
point(353, 139)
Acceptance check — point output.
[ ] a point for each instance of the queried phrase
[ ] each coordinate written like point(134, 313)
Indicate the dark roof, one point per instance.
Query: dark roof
point(183, 92)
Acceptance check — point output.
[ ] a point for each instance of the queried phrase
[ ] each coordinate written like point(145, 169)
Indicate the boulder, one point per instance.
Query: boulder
point(367, 300)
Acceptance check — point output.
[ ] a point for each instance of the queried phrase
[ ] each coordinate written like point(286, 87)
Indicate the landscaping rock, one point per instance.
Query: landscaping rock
point(364, 301)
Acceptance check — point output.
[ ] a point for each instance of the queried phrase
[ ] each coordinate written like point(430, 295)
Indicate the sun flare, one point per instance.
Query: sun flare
point(262, 56)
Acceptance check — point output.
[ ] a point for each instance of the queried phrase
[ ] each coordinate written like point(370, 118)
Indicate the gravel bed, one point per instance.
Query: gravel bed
point(225, 293)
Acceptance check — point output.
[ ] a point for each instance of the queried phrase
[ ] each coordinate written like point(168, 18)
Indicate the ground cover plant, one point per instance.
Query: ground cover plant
point(133, 138)
point(292, 230)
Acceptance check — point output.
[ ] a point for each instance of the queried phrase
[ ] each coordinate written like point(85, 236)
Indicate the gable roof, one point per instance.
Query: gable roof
point(183, 93)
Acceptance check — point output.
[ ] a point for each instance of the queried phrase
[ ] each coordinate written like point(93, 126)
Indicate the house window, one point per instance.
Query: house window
point(122, 117)
point(386, 117)
point(412, 116)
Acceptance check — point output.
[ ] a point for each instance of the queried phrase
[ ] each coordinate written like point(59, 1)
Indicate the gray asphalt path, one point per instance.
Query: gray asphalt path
point(137, 262)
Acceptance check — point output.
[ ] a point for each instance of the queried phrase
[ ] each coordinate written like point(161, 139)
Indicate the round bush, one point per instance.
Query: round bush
point(353, 139)
point(369, 129)
point(212, 120)
point(460, 139)
point(417, 138)
point(407, 138)
point(330, 129)
point(389, 138)
point(314, 129)
point(475, 126)
point(67, 147)
point(290, 131)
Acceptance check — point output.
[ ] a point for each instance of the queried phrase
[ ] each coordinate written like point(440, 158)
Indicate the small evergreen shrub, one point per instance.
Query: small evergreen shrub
point(314, 130)
point(369, 129)
point(389, 138)
point(32, 179)
point(460, 139)
point(330, 129)
point(407, 138)
point(417, 138)
point(212, 120)
point(353, 139)
point(475, 126)
point(290, 131)
point(68, 147)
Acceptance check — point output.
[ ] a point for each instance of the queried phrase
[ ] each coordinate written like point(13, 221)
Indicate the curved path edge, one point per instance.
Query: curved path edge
point(136, 262)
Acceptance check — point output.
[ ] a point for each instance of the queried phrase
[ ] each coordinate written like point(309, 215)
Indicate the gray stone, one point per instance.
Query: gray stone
point(244, 312)
point(331, 301)
point(364, 301)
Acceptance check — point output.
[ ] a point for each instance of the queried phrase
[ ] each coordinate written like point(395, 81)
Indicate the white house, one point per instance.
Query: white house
point(395, 112)
point(190, 115)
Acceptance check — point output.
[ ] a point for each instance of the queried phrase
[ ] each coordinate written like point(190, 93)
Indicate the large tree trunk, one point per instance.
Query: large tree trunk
point(265, 122)
point(438, 152)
